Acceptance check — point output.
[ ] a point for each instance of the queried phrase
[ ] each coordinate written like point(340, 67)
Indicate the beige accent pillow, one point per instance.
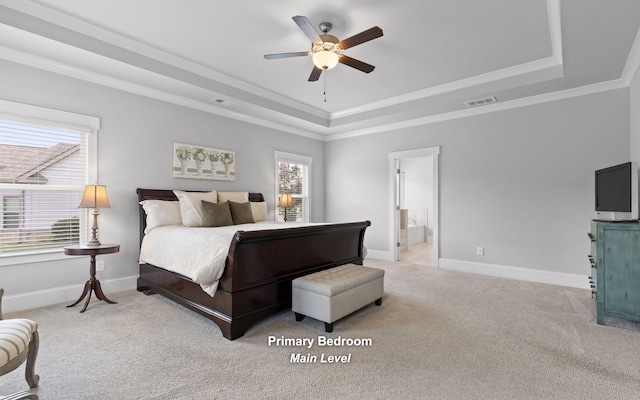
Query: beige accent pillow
point(191, 206)
point(161, 213)
point(216, 214)
point(259, 210)
point(241, 213)
point(238, 197)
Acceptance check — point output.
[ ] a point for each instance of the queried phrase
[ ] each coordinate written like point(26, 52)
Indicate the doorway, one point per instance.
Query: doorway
point(414, 199)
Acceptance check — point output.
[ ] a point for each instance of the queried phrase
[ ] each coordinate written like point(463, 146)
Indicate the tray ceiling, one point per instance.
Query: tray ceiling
point(434, 55)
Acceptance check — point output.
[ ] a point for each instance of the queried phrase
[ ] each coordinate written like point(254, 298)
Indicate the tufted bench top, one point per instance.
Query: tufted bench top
point(15, 335)
point(333, 281)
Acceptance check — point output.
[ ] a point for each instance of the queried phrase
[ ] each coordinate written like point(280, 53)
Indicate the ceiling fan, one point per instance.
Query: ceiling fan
point(326, 49)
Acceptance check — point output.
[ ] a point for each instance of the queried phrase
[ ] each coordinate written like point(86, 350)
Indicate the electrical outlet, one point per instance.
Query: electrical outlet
point(480, 251)
point(100, 265)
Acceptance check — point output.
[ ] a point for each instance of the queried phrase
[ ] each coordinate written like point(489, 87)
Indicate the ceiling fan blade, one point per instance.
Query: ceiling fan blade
point(361, 37)
point(307, 28)
point(315, 74)
point(357, 64)
point(287, 55)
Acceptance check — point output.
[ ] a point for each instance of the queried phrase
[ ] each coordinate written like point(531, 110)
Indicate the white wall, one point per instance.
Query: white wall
point(517, 182)
point(135, 150)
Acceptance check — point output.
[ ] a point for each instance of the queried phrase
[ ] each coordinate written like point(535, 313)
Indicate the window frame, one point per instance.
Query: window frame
point(293, 158)
point(30, 114)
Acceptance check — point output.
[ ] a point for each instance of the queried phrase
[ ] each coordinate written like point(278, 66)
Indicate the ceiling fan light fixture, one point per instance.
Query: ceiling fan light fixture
point(325, 59)
point(326, 50)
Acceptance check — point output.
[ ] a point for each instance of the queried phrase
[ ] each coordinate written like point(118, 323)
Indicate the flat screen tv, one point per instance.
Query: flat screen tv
point(617, 192)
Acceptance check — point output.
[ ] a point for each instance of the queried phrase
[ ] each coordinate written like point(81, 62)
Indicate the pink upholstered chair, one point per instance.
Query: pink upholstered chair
point(18, 342)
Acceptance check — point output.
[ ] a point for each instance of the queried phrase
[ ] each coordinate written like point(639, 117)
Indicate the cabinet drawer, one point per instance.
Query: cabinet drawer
point(621, 274)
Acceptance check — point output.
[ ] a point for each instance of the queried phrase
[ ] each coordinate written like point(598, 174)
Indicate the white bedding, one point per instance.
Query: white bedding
point(197, 253)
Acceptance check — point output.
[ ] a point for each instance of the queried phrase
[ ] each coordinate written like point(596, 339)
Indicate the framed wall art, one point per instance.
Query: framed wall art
point(199, 162)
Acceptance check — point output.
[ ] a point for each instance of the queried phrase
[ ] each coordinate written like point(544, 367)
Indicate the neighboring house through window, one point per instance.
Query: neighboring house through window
point(293, 176)
point(45, 164)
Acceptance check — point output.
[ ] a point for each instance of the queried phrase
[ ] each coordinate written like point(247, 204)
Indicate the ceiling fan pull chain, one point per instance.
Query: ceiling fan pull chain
point(325, 86)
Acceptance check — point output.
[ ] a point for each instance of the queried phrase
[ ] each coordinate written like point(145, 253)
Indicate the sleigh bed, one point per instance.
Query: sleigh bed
point(258, 268)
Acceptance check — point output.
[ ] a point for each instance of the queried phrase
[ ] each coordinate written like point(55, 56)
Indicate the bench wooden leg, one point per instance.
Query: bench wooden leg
point(328, 327)
point(379, 301)
point(299, 317)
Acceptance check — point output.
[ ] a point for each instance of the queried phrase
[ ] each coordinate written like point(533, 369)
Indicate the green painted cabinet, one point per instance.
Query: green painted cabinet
point(615, 259)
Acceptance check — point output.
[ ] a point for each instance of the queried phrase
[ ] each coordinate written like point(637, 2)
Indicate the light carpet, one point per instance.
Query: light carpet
point(438, 334)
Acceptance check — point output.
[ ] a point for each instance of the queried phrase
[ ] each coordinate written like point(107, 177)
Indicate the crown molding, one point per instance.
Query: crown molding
point(318, 133)
point(555, 28)
point(60, 68)
point(502, 106)
point(530, 72)
point(517, 75)
point(632, 66)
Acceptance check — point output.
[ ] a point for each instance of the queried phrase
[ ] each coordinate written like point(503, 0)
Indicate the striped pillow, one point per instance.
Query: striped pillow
point(15, 335)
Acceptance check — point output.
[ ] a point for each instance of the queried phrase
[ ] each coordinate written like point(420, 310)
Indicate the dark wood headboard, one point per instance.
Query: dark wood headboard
point(168, 195)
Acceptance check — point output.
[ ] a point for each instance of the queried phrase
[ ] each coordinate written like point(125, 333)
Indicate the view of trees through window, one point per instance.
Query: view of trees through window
point(292, 180)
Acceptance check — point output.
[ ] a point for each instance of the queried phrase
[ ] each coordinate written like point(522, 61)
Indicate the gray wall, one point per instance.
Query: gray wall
point(634, 108)
point(518, 182)
point(135, 150)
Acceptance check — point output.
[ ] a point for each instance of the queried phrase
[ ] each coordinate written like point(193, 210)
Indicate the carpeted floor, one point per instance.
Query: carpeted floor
point(438, 334)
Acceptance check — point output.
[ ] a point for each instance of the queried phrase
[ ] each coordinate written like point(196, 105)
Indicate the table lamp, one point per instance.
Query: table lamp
point(286, 201)
point(95, 196)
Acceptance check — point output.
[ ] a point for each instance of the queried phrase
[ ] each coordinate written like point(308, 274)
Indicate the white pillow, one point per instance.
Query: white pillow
point(191, 206)
point(161, 213)
point(259, 210)
point(238, 197)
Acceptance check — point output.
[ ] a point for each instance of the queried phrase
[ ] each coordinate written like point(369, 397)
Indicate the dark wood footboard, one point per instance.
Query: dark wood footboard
point(259, 269)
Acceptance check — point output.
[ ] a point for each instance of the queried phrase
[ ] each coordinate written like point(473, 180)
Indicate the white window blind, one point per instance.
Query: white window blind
point(43, 171)
point(293, 176)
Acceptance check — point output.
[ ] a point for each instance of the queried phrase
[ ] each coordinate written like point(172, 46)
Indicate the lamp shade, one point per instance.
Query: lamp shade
point(325, 59)
point(95, 196)
point(285, 200)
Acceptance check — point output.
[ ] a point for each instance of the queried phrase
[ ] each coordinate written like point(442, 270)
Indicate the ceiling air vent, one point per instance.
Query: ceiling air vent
point(481, 102)
point(222, 101)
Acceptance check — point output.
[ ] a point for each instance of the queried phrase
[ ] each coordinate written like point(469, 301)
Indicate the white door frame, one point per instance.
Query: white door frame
point(393, 220)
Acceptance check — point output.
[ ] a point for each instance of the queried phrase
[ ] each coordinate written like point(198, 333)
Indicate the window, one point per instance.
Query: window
point(293, 176)
point(11, 212)
point(44, 167)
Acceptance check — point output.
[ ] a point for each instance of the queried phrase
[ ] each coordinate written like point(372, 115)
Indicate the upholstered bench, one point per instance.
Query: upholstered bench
point(336, 292)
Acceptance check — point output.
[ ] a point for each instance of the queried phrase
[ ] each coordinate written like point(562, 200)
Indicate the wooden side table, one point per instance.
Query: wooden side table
point(93, 284)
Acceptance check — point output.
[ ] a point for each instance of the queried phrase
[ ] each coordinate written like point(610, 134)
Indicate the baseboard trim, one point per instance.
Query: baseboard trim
point(62, 294)
point(522, 274)
point(379, 255)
